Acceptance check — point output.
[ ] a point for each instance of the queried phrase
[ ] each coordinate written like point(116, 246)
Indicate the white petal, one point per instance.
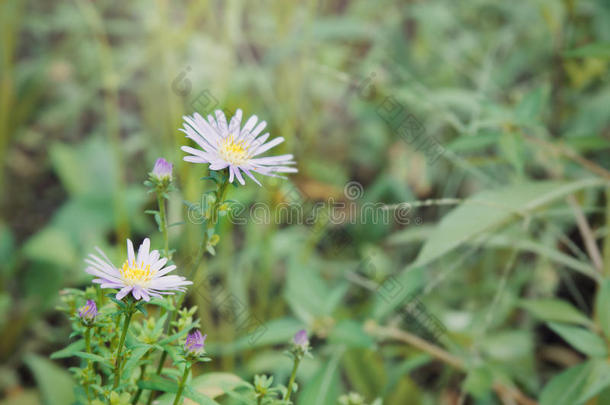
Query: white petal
point(268, 145)
point(143, 252)
point(239, 176)
point(124, 291)
point(222, 122)
point(235, 122)
point(131, 256)
point(164, 271)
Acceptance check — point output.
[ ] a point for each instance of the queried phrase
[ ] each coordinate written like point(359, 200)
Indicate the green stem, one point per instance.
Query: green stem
point(220, 196)
point(163, 220)
point(187, 368)
point(117, 367)
point(89, 363)
point(606, 245)
point(142, 374)
point(297, 360)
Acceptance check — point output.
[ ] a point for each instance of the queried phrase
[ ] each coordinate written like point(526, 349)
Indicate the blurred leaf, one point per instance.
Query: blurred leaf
point(56, 385)
point(70, 350)
point(593, 50)
point(308, 295)
point(602, 306)
point(277, 331)
point(351, 334)
point(566, 387)
point(581, 339)
point(323, 388)
point(555, 310)
point(491, 209)
point(158, 383)
point(87, 169)
point(473, 143)
point(577, 384)
point(51, 245)
point(598, 380)
point(479, 381)
point(395, 289)
point(508, 345)
point(530, 107)
point(215, 384)
point(7, 246)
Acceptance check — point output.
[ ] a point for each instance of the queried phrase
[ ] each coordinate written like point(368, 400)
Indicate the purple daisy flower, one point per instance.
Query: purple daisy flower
point(195, 342)
point(228, 145)
point(88, 312)
point(143, 276)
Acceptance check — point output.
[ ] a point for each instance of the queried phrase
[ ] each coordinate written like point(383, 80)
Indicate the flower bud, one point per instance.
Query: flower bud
point(195, 342)
point(300, 339)
point(88, 312)
point(162, 170)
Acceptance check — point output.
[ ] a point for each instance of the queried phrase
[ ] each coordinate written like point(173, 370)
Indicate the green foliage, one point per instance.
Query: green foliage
point(494, 281)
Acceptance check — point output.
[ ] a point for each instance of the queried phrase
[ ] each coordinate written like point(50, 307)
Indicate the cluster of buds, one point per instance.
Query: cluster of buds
point(88, 312)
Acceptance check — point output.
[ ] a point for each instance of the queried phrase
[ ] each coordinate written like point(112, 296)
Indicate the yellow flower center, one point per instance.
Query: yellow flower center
point(136, 275)
point(236, 153)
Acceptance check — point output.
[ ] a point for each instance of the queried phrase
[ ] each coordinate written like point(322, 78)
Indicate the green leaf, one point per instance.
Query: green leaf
point(597, 381)
point(215, 384)
point(565, 388)
point(554, 310)
point(530, 107)
point(578, 384)
point(351, 334)
point(593, 50)
point(158, 383)
point(90, 356)
point(602, 305)
point(479, 381)
point(70, 350)
point(134, 358)
point(277, 331)
point(51, 245)
point(581, 339)
point(492, 209)
point(308, 294)
point(323, 387)
point(197, 397)
point(56, 385)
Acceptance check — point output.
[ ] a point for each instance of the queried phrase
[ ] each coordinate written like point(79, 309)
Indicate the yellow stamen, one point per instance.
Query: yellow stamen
point(136, 275)
point(236, 153)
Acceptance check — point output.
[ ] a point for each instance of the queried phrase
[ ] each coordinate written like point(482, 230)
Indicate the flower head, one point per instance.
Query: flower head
point(300, 338)
point(162, 170)
point(231, 146)
point(88, 312)
point(194, 342)
point(143, 276)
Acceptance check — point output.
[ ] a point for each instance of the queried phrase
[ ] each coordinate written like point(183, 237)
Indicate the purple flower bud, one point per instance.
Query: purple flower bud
point(88, 312)
point(300, 338)
point(194, 342)
point(162, 169)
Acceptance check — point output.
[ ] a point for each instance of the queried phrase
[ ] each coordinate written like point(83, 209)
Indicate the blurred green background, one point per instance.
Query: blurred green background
point(516, 93)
